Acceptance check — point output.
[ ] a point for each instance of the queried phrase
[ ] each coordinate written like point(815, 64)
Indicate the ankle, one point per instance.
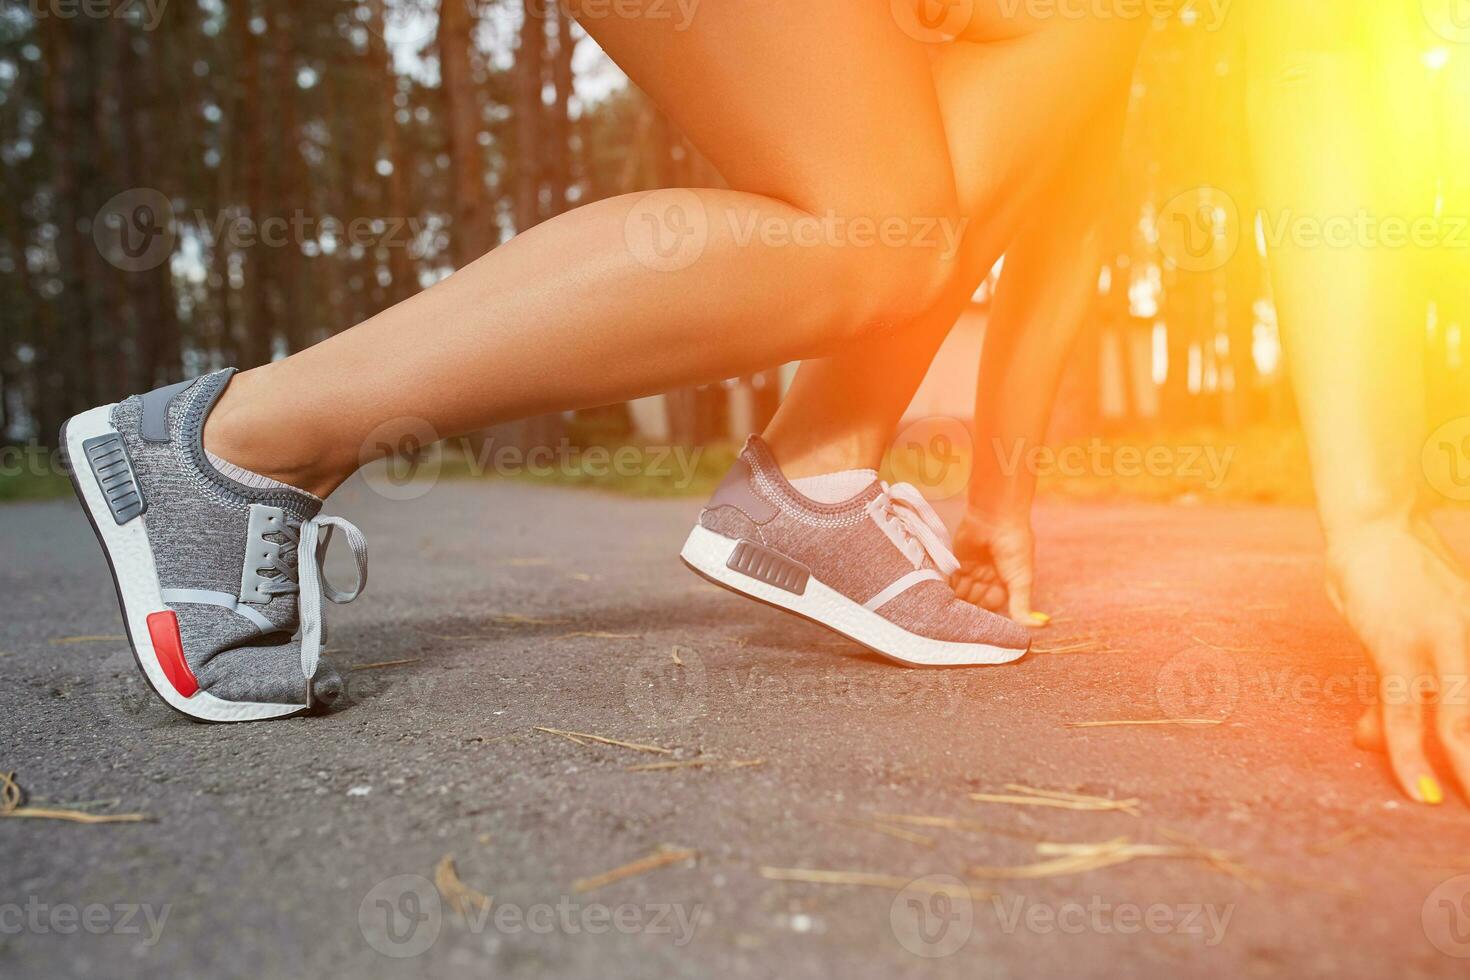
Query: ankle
point(241, 430)
point(801, 457)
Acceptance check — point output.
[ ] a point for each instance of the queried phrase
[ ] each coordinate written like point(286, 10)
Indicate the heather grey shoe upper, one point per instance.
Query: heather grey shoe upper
point(885, 548)
point(239, 565)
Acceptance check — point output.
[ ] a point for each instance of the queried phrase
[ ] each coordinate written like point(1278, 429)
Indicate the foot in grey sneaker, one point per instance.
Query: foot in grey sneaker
point(874, 568)
point(214, 575)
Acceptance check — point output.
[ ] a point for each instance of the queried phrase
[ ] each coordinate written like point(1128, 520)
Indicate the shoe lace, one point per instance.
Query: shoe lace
point(305, 575)
point(924, 534)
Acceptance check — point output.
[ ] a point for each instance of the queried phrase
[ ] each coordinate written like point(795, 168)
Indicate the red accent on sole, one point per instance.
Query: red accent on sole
point(163, 629)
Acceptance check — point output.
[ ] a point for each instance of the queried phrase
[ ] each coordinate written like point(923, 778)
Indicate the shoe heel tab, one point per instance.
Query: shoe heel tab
point(154, 427)
point(154, 424)
point(737, 490)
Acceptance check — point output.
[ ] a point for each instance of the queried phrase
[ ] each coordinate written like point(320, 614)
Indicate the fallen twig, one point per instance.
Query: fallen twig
point(1029, 796)
point(597, 635)
point(1339, 841)
point(665, 855)
point(923, 840)
point(1118, 723)
point(12, 804)
point(581, 738)
point(1070, 646)
point(704, 760)
point(1222, 649)
point(1069, 859)
point(516, 619)
point(461, 897)
point(68, 640)
point(77, 816)
point(954, 823)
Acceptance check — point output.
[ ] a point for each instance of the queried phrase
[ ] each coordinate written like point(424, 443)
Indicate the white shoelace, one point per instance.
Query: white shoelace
point(924, 533)
point(312, 538)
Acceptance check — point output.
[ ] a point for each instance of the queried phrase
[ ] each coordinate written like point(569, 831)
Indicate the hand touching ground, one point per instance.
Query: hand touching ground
point(997, 557)
point(1406, 597)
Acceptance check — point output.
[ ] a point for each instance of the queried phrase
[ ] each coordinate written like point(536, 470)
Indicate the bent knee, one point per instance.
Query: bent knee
point(897, 285)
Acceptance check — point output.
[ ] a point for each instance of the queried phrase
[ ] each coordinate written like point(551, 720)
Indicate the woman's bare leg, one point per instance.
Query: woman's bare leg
point(1015, 97)
point(800, 106)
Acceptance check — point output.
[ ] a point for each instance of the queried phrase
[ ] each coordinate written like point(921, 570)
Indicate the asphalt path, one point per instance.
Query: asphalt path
point(315, 847)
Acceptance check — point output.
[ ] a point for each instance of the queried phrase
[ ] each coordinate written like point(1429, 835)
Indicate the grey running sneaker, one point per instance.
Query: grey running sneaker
point(874, 568)
point(214, 577)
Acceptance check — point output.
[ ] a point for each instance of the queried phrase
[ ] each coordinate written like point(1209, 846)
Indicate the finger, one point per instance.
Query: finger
point(1020, 604)
point(1403, 731)
point(965, 587)
point(973, 590)
point(992, 597)
point(1452, 712)
point(1452, 725)
point(1368, 733)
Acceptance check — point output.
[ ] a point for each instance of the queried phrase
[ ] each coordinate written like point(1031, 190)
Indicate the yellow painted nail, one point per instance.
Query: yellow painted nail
point(1429, 790)
point(1040, 618)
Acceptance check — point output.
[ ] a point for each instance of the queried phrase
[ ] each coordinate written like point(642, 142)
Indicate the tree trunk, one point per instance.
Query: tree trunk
point(257, 329)
point(559, 149)
point(472, 233)
point(529, 115)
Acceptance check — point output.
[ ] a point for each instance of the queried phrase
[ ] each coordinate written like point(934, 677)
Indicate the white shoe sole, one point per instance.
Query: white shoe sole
point(708, 554)
point(135, 576)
